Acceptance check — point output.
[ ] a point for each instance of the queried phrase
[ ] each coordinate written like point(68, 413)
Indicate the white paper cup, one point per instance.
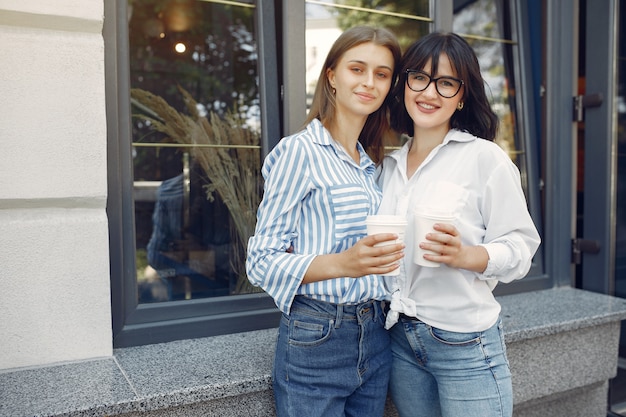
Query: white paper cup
point(383, 223)
point(424, 222)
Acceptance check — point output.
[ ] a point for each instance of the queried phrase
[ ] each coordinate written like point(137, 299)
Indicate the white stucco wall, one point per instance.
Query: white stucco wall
point(54, 262)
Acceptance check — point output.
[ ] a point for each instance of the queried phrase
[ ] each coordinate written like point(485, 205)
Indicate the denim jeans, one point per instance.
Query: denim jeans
point(440, 373)
point(332, 360)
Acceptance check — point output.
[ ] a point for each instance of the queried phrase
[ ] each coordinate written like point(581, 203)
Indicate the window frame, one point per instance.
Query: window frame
point(137, 324)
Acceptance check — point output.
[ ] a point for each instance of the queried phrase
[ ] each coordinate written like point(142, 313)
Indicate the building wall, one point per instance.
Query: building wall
point(54, 264)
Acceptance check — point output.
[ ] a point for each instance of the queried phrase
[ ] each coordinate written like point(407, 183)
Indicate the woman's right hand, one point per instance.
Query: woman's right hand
point(364, 258)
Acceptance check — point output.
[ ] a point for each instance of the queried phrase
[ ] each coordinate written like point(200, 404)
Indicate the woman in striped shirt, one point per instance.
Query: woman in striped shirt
point(310, 252)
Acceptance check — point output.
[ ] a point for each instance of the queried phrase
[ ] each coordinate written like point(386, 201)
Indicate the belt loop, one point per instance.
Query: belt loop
point(378, 309)
point(339, 316)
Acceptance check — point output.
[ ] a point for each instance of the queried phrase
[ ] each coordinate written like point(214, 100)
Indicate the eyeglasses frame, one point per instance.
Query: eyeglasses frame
point(409, 70)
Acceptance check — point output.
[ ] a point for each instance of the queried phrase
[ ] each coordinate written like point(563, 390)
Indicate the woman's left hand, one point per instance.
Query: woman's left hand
point(446, 242)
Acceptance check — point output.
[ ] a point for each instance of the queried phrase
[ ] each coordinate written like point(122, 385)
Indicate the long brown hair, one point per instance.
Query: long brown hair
point(323, 105)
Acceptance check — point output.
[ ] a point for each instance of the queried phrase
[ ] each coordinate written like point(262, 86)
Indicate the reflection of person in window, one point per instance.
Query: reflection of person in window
point(190, 236)
point(332, 354)
point(167, 231)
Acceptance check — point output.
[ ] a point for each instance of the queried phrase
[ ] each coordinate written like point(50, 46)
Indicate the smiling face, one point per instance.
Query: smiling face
point(362, 78)
point(428, 109)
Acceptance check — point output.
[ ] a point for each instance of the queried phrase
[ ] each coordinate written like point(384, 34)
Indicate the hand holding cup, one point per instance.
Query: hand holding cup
point(425, 219)
point(387, 224)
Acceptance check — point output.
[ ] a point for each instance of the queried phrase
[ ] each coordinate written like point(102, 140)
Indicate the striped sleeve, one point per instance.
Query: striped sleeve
point(268, 264)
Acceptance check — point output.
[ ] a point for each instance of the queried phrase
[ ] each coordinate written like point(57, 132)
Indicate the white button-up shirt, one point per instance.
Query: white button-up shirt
point(476, 180)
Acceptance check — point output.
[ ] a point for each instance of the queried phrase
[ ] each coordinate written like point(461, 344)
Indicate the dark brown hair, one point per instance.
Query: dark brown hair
point(476, 117)
point(323, 105)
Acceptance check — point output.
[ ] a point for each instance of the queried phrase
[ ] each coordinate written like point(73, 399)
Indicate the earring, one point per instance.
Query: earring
point(460, 106)
point(334, 91)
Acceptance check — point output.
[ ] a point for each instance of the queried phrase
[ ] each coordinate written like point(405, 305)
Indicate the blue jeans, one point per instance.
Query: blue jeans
point(332, 360)
point(440, 373)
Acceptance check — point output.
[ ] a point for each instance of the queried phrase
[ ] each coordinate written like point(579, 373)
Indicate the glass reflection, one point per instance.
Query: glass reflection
point(188, 249)
point(196, 154)
point(486, 26)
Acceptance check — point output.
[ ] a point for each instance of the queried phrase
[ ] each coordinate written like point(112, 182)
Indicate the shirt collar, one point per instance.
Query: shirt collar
point(319, 134)
point(324, 138)
point(453, 135)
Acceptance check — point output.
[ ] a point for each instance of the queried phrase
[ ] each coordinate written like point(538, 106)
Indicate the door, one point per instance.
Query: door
point(601, 211)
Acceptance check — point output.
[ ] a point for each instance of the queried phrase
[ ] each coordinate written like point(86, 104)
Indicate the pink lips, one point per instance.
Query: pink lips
point(426, 107)
point(365, 96)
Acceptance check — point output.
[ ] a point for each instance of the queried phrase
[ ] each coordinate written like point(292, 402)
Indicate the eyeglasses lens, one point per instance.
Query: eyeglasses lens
point(446, 86)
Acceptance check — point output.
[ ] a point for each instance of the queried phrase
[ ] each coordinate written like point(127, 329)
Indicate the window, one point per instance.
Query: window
point(491, 27)
point(196, 146)
point(190, 156)
point(198, 91)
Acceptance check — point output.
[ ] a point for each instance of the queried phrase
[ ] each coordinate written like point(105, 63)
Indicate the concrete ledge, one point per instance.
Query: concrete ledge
point(562, 346)
point(582, 402)
point(549, 365)
point(258, 404)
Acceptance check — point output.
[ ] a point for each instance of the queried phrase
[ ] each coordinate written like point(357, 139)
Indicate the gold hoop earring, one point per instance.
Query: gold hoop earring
point(460, 106)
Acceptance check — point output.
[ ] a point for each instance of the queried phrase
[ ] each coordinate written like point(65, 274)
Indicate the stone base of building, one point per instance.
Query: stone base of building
point(562, 346)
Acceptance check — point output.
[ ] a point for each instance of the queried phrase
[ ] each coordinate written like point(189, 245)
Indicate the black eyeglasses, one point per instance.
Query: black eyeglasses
point(447, 87)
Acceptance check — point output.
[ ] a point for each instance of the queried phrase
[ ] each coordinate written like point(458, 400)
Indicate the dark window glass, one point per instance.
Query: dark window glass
point(488, 26)
point(196, 151)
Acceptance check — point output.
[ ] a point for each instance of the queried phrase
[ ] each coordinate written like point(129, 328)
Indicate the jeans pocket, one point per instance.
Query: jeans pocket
point(309, 331)
point(455, 338)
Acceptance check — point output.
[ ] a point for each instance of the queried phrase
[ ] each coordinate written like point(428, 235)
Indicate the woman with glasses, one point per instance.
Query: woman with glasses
point(310, 251)
point(449, 357)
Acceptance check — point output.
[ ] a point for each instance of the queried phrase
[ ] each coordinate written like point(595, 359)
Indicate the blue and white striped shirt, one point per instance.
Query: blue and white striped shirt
point(316, 200)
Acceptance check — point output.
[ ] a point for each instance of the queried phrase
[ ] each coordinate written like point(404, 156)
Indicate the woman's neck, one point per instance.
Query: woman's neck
point(428, 139)
point(346, 133)
point(424, 141)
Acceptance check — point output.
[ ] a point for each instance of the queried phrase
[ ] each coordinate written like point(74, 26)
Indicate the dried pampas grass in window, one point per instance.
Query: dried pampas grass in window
point(229, 154)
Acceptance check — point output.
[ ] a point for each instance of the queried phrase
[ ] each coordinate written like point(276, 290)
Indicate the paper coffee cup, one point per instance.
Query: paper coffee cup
point(383, 223)
point(424, 221)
